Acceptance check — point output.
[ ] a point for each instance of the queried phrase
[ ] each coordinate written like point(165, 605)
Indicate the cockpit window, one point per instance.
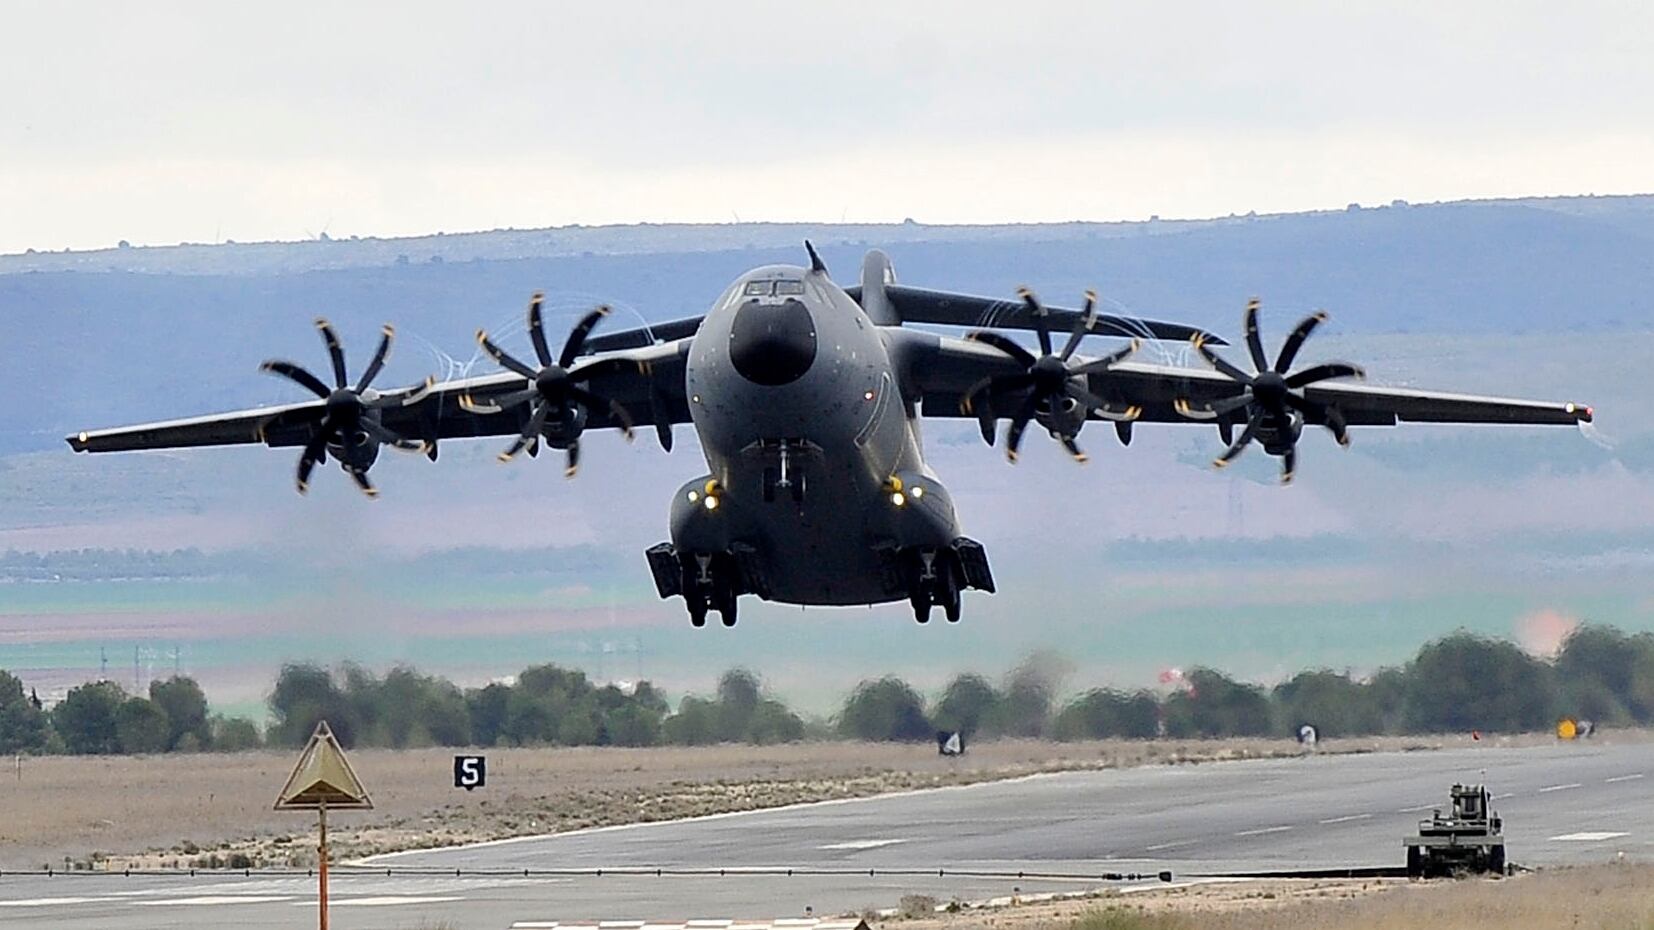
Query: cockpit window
point(789, 287)
point(758, 288)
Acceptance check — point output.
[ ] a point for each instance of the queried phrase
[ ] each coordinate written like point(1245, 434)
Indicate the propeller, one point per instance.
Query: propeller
point(1272, 395)
point(349, 420)
point(1050, 379)
point(555, 393)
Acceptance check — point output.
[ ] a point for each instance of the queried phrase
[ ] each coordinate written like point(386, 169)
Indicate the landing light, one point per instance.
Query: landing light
point(898, 498)
point(694, 496)
point(867, 395)
point(918, 492)
point(711, 502)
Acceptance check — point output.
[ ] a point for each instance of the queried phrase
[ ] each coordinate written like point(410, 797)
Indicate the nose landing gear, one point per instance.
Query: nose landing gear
point(710, 581)
point(935, 579)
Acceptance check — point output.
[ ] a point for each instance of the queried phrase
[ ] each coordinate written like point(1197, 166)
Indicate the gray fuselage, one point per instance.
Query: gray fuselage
point(812, 451)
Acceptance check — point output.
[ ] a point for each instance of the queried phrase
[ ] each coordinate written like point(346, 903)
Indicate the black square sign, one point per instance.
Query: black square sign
point(470, 772)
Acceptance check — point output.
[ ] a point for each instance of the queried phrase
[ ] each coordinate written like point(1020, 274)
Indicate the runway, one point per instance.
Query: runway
point(1575, 803)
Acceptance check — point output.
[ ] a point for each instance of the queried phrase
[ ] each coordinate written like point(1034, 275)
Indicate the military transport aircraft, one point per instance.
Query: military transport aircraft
point(806, 397)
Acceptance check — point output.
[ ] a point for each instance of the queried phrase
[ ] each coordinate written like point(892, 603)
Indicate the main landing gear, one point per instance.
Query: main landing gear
point(935, 579)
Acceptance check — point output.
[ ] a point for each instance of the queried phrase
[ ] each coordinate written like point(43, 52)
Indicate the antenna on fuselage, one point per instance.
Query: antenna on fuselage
point(816, 264)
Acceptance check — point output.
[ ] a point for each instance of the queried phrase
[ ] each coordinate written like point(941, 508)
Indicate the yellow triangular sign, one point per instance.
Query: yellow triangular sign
point(323, 775)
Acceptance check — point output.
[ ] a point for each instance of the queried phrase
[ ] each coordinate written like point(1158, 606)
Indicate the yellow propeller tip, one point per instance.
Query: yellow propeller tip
point(388, 329)
point(1219, 463)
point(570, 472)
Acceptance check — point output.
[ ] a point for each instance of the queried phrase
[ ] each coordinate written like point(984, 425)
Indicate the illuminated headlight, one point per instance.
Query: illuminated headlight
point(694, 496)
point(710, 502)
point(898, 498)
point(918, 492)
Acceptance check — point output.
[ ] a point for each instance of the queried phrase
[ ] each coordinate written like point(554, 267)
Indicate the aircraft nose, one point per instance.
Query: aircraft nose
point(772, 344)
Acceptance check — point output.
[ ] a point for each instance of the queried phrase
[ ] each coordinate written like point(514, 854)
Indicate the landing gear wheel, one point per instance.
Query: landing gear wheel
point(950, 596)
point(697, 613)
point(921, 603)
point(769, 485)
point(799, 487)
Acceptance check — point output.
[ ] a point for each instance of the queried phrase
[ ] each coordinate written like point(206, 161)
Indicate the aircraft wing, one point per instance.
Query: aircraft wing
point(944, 308)
point(941, 370)
point(647, 382)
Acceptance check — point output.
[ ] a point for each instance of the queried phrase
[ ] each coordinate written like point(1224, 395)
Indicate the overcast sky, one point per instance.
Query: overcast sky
point(161, 122)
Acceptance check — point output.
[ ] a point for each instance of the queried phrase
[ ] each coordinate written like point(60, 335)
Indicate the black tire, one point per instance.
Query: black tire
point(769, 485)
point(1415, 862)
point(921, 603)
point(799, 487)
point(1496, 860)
point(697, 612)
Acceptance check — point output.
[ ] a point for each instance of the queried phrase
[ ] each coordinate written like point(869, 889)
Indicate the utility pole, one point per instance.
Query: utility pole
point(103, 664)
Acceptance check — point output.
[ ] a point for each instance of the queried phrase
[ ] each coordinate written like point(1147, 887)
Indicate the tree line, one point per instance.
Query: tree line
point(1457, 683)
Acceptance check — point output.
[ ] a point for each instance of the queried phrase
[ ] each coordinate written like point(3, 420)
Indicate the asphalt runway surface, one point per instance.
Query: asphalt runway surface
point(1577, 803)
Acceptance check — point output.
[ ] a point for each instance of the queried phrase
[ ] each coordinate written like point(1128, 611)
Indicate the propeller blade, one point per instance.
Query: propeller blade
point(1042, 327)
point(1289, 464)
point(1227, 405)
point(512, 399)
point(1323, 372)
point(1122, 429)
point(296, 373)
point(1108, 361)
point(1074, 450)
point(378, 361)
point(385, 437)
point(1007, 345)
point(577, 336)
point(1254, 342)
point(1220, 363)
point(418, 392)
point(572, 459)
point(978, 401)
point(594, 402)
point(1013, 436)
point(1295, 341)
point(334, 351)
point(360, 476)
point(503, 357)
point(1241, 441)
point(1088, 316)
point(1226, 431)
point(537, 329)
point(530, 434)
point(313, 452)
point(1325, 414)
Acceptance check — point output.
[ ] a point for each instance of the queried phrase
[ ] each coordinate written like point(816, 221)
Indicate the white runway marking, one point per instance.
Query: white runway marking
point(1159, 846)
point(1586, 837)
point(1617, 778)
point(1551, 788)
point(1414, 810)
point(861, 844)
point(1347, 818)
point(1262, 830)
point(214, 900)
point(389, 900)
point(1501, 797)
point(51, 902)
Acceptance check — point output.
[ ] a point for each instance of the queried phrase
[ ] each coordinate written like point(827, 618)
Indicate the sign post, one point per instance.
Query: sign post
point(323, 779)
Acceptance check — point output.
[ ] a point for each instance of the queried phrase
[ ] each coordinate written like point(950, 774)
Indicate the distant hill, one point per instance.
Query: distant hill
point(127, 334)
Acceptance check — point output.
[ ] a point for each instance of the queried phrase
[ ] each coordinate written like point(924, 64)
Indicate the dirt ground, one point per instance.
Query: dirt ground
point(1603, 897)
point(185, 810)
